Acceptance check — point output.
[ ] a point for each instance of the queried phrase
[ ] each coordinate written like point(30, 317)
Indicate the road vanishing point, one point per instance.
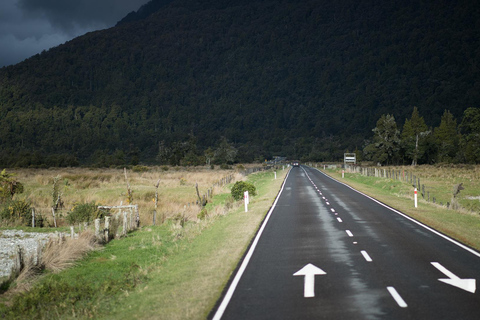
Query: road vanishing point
point(327, 251)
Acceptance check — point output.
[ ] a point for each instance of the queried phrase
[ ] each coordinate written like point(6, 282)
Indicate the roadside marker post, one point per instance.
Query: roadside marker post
point(245, 196)
point(415, 197)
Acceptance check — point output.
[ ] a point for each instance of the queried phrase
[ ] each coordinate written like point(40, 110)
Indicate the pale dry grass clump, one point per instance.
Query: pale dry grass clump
point(58, 254)
point(62, 253)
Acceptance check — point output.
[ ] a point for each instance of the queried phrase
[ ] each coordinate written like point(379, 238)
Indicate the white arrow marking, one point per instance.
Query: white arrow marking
point(309, 271)
point(465, 284)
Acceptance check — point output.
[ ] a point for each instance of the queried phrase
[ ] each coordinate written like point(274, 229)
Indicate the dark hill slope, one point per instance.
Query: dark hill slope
point(299, 78)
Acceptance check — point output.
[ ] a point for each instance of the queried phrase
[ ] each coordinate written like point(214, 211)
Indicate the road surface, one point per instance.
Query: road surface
point(327, 251)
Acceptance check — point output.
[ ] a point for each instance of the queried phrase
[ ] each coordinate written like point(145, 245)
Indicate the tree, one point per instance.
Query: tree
point(225, 153)
point(413, 134)
point(447, 138)
point(470, 128)
point(386, 141)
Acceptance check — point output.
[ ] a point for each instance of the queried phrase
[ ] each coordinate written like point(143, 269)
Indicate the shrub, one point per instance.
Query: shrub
point(17, 210)
point(84, 212)
point(240, 187)
point(140, 169)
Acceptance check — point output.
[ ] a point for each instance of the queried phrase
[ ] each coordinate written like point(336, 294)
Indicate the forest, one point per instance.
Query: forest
point(192, 82)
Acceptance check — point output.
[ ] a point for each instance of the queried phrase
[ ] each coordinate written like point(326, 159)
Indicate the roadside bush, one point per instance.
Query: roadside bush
point(84, 212)
point(240, 187)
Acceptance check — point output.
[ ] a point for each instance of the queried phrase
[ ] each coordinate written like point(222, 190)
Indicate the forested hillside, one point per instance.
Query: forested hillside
point(180, 79)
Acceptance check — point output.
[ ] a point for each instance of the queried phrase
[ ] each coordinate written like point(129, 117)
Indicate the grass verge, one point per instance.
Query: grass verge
point(160, 272)
point(460, 225)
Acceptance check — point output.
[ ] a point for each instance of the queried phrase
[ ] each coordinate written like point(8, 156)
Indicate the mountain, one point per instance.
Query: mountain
point(303, 79)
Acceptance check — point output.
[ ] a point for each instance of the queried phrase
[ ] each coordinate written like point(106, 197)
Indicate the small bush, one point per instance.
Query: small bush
point(203, 214)
point(84, 212)
point(17, 211)
point(240, 187)
point(140, 169)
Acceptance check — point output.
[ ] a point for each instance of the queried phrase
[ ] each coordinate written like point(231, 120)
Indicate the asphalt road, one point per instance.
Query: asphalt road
point(364, 261)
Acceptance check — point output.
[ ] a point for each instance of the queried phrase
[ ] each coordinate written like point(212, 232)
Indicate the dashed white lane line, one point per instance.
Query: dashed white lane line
point(350, 234)
point(331, 209)
point(339, 220)
point(366, 256)
point(401, 303)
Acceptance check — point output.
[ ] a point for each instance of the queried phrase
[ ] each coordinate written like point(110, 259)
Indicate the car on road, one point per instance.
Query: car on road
point(295, 164)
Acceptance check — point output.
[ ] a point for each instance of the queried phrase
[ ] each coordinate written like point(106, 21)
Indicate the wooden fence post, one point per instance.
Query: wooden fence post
point(33, 217)
point(107, 227)
point(97, 228)
point(124, 231)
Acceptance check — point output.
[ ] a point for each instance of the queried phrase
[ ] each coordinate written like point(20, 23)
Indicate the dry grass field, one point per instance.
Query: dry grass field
point(176, 192)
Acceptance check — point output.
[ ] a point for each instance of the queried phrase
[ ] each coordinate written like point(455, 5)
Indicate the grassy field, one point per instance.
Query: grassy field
point(109, 187)
point(462, 224)
point(157, 272)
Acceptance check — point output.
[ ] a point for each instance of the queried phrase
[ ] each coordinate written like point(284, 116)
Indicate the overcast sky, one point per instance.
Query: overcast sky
point(29, 26)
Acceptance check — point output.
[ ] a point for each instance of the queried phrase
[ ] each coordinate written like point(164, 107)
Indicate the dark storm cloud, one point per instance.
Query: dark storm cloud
point(29, 26)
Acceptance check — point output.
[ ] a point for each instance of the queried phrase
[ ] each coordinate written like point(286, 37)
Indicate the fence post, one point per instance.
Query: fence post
point(124, 231)
point(33, 217)
point(107, 227)
point(97, 228)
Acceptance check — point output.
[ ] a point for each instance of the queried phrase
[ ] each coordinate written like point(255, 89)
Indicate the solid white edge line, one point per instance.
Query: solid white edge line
point(366, 256)
point(407, 217)
point(398, 299)
point(228, 296)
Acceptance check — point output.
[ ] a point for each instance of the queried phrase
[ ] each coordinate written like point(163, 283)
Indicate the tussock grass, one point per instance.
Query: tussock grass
point(58, 254)
point(61, 253)
point(108, 187)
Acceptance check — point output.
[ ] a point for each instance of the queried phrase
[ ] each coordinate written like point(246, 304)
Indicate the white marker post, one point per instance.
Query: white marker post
point(245, 196)
point(415, 197)
point(343, 173)
point(275, 175)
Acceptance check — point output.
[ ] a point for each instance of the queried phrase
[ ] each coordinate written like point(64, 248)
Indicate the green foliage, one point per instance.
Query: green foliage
point(202, 214)
point(14, 211)
point(386, 141)
point(9, 186)
point(414, 136)
point(111, 97)
point(84, 212)
point(240, 187)
point(140, 168)
point(447, 139)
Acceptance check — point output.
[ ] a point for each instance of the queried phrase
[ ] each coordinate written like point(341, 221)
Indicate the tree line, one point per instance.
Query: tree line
point(418, 143)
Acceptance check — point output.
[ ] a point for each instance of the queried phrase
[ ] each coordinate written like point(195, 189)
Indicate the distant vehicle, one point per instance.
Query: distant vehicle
point(295, 163)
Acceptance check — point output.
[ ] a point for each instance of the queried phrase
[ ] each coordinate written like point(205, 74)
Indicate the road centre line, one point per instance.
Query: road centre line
point(350, 234)
point(331, 209)
point(366, 256)
point(339, 220)
point(398, 299)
